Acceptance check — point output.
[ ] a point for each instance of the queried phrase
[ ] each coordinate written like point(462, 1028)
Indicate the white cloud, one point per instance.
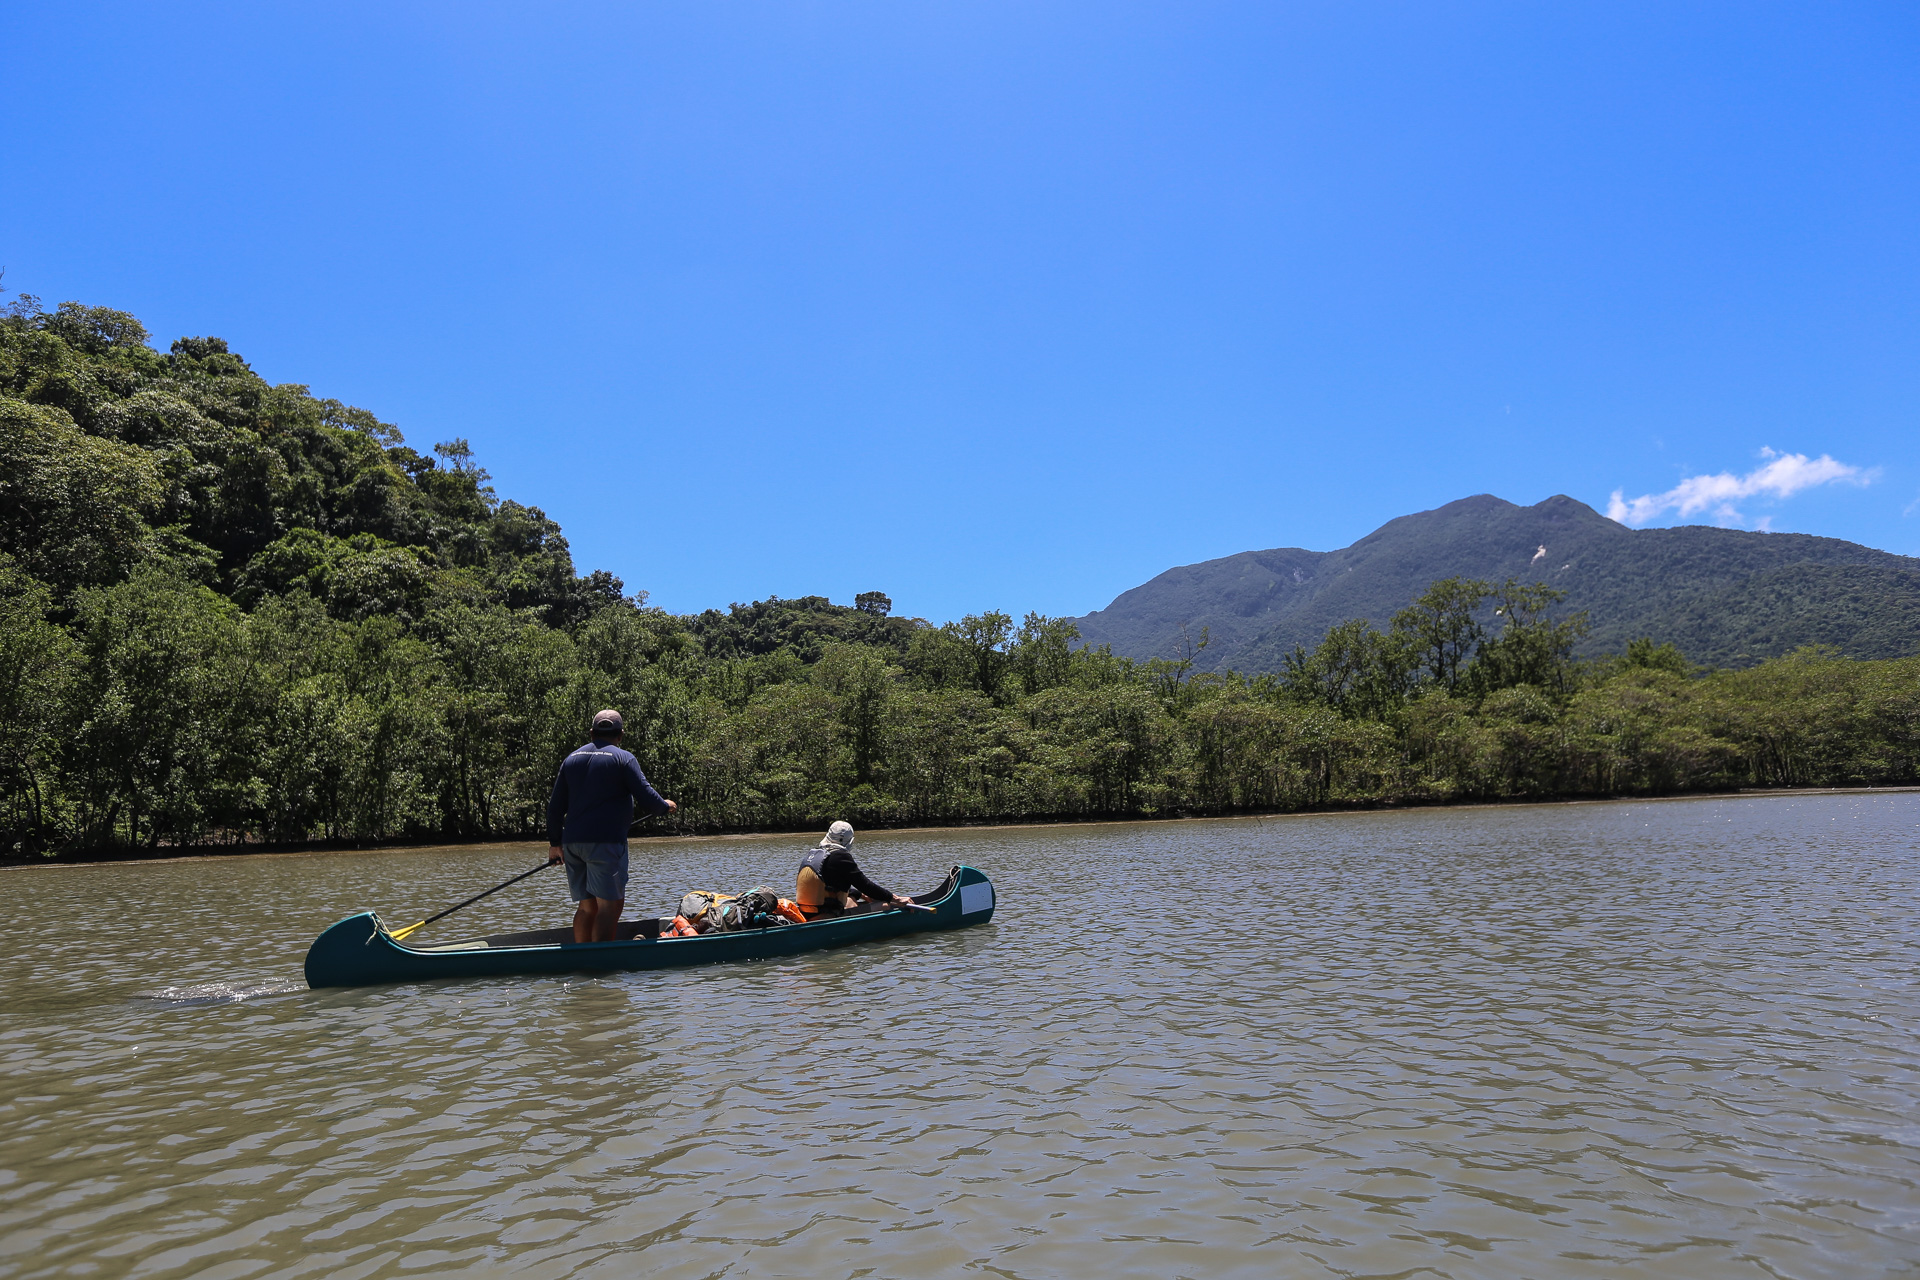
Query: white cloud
point(1784, 475)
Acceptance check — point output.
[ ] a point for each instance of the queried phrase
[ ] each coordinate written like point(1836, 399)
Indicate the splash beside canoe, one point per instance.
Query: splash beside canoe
point(359, 951)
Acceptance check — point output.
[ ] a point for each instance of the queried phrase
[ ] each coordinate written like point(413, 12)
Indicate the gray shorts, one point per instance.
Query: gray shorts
point(596, 870)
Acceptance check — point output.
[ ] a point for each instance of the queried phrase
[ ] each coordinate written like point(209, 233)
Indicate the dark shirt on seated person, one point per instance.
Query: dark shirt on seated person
point(839, 872)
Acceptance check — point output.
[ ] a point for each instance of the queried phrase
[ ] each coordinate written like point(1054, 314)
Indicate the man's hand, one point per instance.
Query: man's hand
point(899, 901)
point(553, 853)
point(672, 808)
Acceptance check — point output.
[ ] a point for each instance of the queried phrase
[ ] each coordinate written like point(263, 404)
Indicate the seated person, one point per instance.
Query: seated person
point(830, 880)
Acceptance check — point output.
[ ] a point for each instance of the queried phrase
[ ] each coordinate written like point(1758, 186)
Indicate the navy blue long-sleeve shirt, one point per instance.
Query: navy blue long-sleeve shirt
point(594, 796)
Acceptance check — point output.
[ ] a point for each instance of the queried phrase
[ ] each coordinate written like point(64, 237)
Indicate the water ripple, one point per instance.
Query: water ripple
point(221, 992)
point(1660, 1039)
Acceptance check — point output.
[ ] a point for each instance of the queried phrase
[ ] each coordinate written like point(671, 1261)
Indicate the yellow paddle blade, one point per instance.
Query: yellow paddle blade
point(398, 934)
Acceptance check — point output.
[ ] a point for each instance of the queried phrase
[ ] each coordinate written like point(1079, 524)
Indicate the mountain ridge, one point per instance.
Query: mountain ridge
point(1729, 597)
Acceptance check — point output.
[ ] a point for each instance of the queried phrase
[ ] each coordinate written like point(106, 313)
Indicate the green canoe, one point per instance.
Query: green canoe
point(360, 952)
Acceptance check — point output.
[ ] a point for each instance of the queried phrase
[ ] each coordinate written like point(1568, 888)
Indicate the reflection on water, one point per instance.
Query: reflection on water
point(221, 992)
point(1651, 1039)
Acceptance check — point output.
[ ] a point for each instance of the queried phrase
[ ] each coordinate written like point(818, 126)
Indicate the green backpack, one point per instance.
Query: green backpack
point(713, 912)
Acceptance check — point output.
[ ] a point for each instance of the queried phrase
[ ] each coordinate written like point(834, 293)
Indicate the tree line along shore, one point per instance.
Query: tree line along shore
point(234, 613)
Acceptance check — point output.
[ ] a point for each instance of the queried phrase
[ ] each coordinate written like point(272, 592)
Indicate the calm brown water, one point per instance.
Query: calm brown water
point(1675, 1039)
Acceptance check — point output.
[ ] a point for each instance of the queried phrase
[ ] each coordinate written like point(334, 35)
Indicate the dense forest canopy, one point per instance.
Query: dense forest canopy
point(232, 611)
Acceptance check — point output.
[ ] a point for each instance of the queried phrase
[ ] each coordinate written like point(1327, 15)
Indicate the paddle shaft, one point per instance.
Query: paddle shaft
point(475, 898)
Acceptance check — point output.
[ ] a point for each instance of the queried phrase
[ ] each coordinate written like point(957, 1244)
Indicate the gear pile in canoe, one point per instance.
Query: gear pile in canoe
point(362, 951)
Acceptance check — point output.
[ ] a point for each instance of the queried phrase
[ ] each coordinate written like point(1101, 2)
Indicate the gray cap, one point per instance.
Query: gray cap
point(608, 722)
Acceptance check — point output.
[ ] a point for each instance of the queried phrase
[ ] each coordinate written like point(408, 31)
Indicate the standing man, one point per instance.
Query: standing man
point(587, 819)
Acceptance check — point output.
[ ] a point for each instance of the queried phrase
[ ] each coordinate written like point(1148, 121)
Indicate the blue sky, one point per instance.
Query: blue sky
point(1017, 304)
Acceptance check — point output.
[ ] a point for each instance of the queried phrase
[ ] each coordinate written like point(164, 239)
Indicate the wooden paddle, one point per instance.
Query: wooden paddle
point(399, 934)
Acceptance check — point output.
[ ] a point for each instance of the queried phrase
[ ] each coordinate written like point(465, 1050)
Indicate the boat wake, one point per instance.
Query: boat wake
point(220, 992)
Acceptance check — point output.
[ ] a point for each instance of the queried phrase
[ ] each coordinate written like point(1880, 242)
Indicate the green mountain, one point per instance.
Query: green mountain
point(1725, 596)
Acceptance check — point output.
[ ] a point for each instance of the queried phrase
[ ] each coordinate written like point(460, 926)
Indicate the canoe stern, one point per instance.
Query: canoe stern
point(352, 953)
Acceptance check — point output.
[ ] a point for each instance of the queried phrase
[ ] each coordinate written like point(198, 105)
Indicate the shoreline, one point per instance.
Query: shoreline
point(211, 853)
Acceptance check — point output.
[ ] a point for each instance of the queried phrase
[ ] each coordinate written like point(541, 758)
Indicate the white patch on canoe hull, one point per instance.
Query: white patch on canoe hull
point(977, 896)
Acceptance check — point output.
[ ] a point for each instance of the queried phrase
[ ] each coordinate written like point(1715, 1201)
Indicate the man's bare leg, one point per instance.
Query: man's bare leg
point(606, 917)
point(583, 918)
